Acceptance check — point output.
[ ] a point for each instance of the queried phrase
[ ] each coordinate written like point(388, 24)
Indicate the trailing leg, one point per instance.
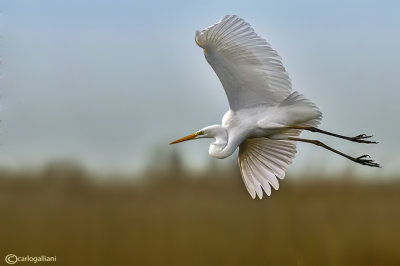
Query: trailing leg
point(364, 159)
point(360, 138)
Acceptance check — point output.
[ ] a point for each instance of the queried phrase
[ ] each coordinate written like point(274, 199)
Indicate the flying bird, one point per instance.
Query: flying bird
point(265, 117)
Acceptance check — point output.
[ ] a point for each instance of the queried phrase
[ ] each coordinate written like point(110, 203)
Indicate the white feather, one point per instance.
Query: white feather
point(268, 159)
point(262, 104)
point(250, 71)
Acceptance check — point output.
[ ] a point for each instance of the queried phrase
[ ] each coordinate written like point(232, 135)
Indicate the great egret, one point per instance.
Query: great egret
point(265, 117)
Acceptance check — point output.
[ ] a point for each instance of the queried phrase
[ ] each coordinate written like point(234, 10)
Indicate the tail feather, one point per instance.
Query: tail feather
point(301, 111)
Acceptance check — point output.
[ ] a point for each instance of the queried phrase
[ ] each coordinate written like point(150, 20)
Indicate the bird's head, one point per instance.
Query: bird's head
point(218, 132)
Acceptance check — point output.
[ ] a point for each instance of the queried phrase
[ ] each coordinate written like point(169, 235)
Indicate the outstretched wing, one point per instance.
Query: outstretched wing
point(250, 71)
point(262, 161)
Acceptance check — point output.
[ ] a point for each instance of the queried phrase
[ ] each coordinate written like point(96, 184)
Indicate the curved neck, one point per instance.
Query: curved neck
point(221, 147)
point(221, 151)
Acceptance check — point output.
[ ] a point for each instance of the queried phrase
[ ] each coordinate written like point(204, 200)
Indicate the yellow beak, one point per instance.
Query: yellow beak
point(188, 137)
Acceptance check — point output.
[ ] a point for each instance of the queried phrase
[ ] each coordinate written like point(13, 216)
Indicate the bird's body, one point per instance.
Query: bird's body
point(265, 116)
point(260, 121)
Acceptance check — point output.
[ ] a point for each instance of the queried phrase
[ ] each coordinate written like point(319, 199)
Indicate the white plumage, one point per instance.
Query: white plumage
point(265, 116)
point(249, 69)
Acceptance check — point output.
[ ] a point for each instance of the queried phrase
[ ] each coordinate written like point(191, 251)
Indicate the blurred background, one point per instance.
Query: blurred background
point(92, 92)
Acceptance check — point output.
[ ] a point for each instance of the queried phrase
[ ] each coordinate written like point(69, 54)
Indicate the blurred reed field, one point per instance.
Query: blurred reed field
point(175, 217)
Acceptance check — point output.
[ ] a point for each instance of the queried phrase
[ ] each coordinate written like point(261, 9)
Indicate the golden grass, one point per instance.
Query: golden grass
point(197, 220)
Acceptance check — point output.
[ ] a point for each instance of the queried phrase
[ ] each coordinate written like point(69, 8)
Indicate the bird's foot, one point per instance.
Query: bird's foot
point(361, 139)
point(364, 161)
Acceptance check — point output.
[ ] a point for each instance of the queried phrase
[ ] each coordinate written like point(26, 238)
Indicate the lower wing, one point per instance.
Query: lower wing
point(262, 161)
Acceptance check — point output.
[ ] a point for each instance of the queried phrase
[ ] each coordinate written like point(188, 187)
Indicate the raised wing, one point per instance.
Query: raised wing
point(250, 71)
point(262, 161)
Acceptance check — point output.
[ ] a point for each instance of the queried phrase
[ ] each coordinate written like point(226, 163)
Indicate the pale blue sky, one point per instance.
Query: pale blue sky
point(112, 82)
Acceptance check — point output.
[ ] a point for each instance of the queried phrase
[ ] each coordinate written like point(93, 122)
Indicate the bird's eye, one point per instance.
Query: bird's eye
point(200, 132)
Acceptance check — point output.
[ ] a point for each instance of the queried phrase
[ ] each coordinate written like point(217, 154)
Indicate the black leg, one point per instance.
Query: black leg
point(360, 138)
point(361, 160)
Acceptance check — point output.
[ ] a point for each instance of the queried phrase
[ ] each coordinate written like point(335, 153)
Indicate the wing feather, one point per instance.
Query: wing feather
point(275, 167)
point(248, 181)
point(250, 71)
point(257, 183)
point(268, 172)
point(258, 173)
point(262, 161)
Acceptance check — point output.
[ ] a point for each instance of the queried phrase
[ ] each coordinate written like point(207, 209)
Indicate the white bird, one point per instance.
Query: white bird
point(265, 116)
